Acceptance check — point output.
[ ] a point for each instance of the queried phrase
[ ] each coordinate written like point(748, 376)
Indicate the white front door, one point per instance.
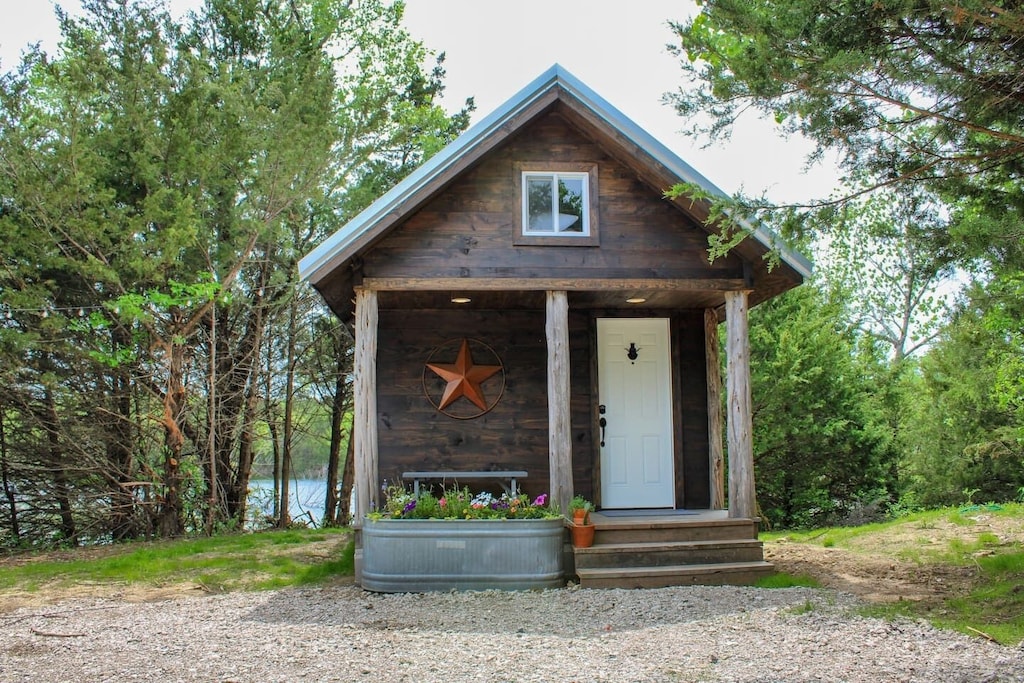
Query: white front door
point(635, 385)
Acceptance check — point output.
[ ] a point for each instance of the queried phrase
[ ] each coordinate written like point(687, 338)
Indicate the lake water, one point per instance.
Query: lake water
point(305, 498)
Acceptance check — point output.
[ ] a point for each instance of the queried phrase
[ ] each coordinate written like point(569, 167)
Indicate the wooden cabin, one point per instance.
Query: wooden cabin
point(528, 300)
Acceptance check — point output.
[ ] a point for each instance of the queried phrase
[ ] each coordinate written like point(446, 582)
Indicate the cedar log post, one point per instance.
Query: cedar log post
point(364, 428)
point(742, 498)
point(559, 437)
point(714, 375)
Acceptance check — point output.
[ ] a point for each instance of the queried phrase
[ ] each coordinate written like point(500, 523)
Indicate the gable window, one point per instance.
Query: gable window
point(557, 203)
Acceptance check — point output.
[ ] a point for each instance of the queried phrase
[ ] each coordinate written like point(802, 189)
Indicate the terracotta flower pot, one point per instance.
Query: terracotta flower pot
point(582, 535)
point(579, 516)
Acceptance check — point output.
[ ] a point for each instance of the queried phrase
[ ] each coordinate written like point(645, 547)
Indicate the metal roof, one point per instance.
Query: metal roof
point(339, 246)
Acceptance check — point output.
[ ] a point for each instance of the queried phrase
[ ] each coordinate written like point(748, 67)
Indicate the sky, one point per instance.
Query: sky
point(616, 47)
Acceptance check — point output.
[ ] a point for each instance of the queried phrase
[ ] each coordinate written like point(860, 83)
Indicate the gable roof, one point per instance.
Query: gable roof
point(554, 84)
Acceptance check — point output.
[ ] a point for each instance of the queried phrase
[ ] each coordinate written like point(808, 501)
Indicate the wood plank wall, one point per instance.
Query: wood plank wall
point(692, 405)
point(468, 230)
point(413, 435)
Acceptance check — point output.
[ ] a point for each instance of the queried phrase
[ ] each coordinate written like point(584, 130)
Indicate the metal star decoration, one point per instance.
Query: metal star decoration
point(464, 378)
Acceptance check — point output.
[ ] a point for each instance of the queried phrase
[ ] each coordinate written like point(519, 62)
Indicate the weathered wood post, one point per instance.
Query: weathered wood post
point(716, 453)
point(742, 497)
point(364, 428)
point(559, 436)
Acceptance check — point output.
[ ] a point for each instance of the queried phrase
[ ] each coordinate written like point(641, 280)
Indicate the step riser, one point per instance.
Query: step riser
point(664, 558)
point(711, 578)
point(608, 535)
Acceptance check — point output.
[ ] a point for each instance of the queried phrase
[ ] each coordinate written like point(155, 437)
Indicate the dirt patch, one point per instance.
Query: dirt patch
point(891, 565)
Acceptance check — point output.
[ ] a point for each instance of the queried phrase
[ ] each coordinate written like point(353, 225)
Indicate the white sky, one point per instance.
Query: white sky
point(615, 47)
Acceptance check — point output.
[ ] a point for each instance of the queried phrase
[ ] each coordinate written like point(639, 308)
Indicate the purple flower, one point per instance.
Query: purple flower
point(542, 499)
point(409, 507)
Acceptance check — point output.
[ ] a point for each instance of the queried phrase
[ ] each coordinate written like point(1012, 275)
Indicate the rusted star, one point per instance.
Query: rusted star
point(464, 378)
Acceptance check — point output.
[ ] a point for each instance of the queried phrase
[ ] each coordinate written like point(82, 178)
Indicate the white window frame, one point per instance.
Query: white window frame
point(585, 171)
point(555, 177)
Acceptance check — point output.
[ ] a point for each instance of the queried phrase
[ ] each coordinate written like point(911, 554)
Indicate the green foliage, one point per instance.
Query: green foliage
point(580, 503)
point(821, 444)
point(160, 180)
point(870, 81)
point(958, 439)
point(458, 503)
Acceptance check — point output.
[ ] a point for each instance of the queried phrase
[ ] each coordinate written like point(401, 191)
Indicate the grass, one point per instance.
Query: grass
point(994, 608)
point(259, 561)
point(784, 580)
point(994, 605)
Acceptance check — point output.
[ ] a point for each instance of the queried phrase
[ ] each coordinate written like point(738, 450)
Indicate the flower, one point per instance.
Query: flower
point(456, 503)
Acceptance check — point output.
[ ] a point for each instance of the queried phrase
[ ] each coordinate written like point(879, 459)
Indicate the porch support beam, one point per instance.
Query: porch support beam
point(364, 428)
point(716, 453)
point(559, 436)
point(466, 284)
point(742, 497)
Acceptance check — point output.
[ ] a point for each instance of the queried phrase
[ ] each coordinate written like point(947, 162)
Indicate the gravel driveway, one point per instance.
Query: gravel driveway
point(343, 634)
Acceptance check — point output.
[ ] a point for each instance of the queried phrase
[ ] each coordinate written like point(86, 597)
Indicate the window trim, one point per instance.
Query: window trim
point(522, 238)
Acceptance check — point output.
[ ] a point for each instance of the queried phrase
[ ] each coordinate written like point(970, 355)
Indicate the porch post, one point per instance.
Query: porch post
point(714, 375)
point(364, 428)
point(559, 437)
point(742, 498)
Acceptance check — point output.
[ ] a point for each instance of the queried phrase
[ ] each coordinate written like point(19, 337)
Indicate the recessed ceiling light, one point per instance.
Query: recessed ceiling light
point(461, 299)
point(635, 300)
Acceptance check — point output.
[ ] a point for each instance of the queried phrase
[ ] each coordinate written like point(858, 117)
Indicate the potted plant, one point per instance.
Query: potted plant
point(581, 529)
point(580, 508)
point(461, 541)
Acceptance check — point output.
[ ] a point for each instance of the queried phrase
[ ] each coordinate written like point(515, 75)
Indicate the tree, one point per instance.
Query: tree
point(821, 445)
point(962, 435)
point(158, 183)
point(881, 253)
point(927, 93)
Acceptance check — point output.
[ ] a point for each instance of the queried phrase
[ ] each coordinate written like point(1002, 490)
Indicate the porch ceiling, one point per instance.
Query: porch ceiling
point(532, 300)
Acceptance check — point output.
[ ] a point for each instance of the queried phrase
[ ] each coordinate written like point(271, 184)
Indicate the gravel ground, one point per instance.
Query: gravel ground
point(343, 634)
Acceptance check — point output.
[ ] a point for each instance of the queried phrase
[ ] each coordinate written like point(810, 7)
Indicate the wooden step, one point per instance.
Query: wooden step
point(669, 553)
point(650, 531)
point(726, 573)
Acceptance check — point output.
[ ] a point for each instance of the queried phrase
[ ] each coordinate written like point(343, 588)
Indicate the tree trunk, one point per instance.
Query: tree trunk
point(347, 478)
point(51, 423)
point(742, 496)
point(332, 515)
point(171, 516)
point(284, 519)
point(121, 459)
point(12, 503)
point(212, 503)
point(559, 429)
point(275, 443)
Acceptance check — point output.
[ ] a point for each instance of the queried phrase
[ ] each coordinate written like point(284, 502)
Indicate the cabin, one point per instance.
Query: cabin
point(529, 300)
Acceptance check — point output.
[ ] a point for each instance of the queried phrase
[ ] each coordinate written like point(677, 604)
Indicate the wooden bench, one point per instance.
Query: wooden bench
point(501, 476)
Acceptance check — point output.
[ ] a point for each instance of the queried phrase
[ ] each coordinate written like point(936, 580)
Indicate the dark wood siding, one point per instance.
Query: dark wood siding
point(468, 230)
point(692, 407)
point(413, 435)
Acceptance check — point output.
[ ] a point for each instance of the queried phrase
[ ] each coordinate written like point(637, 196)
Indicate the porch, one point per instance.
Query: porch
point(653, 549)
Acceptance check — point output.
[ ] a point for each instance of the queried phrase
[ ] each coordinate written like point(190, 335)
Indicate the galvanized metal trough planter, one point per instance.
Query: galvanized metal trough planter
point(419, 555)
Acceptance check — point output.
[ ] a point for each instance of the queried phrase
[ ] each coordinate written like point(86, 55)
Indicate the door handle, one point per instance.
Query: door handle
point(603, 422)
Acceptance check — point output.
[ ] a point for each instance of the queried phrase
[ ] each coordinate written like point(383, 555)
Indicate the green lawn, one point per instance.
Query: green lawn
point(257, 561)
